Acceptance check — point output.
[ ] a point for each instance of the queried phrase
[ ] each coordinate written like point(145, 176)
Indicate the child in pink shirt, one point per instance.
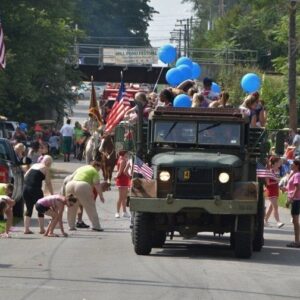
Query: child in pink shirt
point(293, 190)
point(53, 206)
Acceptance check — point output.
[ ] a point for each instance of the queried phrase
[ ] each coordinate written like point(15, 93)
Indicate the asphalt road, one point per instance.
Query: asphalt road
point(91, 265)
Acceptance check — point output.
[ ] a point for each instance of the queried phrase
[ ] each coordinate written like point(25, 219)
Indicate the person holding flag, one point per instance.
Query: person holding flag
point(272, 189)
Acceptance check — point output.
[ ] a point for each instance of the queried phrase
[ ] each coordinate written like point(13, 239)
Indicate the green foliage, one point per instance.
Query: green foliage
point(39, 37)
point(276, 101)
point(2, 226)
point(230, 79)
point(115, 22)
point(254, 25)
point(38, 40)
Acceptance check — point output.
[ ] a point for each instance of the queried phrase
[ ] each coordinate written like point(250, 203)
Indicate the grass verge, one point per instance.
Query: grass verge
point(2, 223)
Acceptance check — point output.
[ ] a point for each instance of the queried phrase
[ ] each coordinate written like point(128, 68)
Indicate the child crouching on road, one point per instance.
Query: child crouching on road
point(53, 206)
point(6, 207)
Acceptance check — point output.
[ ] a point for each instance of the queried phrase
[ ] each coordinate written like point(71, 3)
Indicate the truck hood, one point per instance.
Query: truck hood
point(191, 159)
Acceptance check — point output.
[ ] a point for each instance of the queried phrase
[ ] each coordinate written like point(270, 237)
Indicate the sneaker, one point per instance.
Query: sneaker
point(98, 229)
point(82, 225)
point(117, 215)
point(279, 224)
point(126, 215)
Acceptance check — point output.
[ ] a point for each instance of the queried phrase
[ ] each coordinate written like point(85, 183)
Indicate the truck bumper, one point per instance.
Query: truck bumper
point(211, 206)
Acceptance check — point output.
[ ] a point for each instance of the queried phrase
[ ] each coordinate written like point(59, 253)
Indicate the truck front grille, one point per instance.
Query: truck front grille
point(194, 183)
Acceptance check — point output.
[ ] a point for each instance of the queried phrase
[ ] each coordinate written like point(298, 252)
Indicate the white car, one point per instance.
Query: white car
point(84, 90)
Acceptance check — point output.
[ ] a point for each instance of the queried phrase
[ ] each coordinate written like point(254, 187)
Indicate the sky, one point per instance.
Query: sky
point(163, 23)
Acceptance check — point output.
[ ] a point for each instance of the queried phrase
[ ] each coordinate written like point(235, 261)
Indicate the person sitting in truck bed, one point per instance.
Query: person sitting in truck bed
point(166, 97)
point(132, 114)
point(221, 102)
point(248, 109)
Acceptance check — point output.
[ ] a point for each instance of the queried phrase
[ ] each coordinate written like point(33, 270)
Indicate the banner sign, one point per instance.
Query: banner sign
point(130, 56)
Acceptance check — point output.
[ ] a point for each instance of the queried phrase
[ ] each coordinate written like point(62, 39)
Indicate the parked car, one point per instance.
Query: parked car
point(7, 128)
point(11, 172)
point(84, 90)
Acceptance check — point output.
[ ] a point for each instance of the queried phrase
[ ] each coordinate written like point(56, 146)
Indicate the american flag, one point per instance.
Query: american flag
point(2, 49)
point(141, 168)
point(263, 172)
point(120, 107)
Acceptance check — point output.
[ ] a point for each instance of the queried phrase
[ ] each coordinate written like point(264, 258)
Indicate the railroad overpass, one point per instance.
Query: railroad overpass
point(141, 65)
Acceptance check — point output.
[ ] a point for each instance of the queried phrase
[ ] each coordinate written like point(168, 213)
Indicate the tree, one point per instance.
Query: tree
point(115, 22)
point(38, 38)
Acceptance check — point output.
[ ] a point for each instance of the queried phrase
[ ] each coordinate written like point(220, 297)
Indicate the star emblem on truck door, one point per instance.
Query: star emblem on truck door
point(186, 174)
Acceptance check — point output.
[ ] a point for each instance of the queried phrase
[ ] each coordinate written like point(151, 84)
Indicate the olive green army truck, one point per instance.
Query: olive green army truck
point(204, 163)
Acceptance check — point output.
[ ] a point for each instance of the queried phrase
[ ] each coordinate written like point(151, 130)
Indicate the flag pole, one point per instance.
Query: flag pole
point(156, 83)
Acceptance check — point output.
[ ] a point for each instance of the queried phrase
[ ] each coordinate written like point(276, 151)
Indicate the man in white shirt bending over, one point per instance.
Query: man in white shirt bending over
point(67, 132)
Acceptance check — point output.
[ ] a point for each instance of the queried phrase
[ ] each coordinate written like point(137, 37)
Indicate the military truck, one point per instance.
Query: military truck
point(204, 163)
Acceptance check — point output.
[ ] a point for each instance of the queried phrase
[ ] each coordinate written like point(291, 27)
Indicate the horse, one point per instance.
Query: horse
point(91, 147)
point(107, 156)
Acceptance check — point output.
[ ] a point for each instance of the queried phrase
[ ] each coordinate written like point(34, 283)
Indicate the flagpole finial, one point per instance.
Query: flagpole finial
point(92, 78)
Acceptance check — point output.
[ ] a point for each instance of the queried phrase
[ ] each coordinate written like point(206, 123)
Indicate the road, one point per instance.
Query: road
point(91, 265)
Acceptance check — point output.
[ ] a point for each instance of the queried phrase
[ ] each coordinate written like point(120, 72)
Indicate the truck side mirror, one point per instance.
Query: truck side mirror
point(279, 145)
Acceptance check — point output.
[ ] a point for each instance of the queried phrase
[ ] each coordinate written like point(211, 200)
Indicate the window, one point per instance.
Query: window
point(217, 133)
point(175, 132)
point(3, 152)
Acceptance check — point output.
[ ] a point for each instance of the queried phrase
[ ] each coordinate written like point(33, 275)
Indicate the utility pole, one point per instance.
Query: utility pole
point(179, 43)
point(188, 37)
point(221, 8)
point(176, 35)
point(292, 53)
point(184, 33)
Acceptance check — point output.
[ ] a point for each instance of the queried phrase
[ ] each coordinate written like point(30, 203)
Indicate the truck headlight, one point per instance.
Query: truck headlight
point(224, 177)
point(164, 176)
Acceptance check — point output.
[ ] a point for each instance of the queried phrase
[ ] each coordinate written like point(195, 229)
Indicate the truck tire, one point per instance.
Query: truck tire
point(243, 236)
point(142, 238)
point(258, 240)
point(158, 238)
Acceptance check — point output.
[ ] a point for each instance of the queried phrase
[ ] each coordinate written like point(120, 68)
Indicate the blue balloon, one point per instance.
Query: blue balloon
point(23, 126)
point(186, 71)
point(167, 54)
point(174, 76)
point(250, 83)
point(215, 88)
point(184, 61)
point(196, 71)
point(182, 100)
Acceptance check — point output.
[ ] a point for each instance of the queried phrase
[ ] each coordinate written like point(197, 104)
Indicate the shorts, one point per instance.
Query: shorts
point(295, 209)
point(41, 208)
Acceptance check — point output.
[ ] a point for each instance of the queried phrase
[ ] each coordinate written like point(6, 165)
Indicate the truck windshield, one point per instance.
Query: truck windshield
point(175, 132)
point(201, 133)
point(219, 134)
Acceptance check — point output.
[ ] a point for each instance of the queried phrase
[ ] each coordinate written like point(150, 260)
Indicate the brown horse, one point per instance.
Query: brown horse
point(107, 156)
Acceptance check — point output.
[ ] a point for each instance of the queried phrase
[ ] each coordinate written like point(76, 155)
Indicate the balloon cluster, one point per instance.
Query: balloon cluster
point(185, 67)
